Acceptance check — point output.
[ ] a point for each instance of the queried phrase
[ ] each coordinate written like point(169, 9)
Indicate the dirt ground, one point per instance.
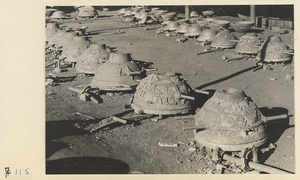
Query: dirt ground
point(134, 148)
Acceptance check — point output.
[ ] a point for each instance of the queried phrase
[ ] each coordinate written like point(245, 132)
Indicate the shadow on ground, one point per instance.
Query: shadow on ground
point(111, 29)
point(274, 128)
point(58, 129)
point(226, 77)
point(86, 165)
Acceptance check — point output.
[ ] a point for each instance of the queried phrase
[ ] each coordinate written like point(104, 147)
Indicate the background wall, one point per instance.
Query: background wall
point(282, 11)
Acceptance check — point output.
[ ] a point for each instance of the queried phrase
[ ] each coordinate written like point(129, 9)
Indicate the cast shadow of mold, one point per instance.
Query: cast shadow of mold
point(58, 129)
point(63, 79)
point(104, 16)
point(86, 165)
point(226, 77)
point(275, 129)
point(145, 64)
point(200, 99)
point(76, 165)
point(104, 30)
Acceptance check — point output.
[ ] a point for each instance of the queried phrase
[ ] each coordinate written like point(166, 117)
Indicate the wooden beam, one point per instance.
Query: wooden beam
point(187, 12)
point(252, 13)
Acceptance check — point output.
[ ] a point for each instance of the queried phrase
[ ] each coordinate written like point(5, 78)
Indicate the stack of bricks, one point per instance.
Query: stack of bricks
point(280, 24)
point(273, 23)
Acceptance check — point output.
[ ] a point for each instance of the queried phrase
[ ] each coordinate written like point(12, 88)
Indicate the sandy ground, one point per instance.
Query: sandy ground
point(134, 148)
